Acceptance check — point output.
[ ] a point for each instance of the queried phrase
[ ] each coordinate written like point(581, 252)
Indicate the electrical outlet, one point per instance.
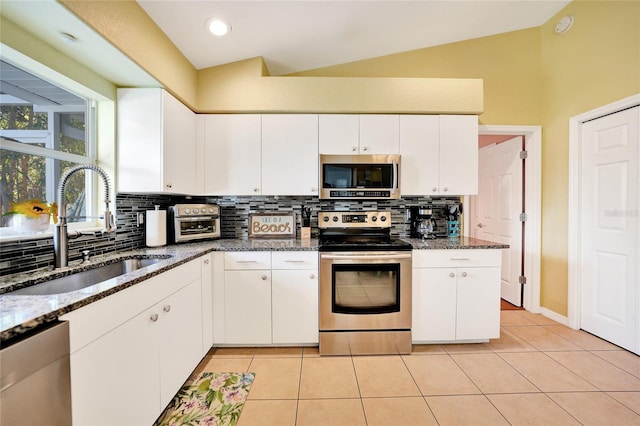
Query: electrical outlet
point(140, 218)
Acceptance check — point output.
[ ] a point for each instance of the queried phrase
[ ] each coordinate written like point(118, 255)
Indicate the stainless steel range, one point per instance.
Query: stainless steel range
point(365, 285)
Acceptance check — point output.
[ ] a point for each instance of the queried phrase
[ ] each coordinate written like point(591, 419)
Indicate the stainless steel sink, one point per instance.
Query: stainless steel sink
point(80, 280)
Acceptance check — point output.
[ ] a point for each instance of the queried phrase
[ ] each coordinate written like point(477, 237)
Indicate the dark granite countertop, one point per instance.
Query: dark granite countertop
point(21, 314)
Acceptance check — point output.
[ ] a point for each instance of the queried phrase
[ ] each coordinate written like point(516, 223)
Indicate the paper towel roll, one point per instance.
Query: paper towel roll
point(156, 227)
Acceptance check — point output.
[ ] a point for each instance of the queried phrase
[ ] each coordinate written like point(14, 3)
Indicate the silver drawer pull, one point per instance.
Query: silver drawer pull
point(245, 261)
point(294, 261)
point(464, 274)
point(264, 277)
point(312, 276)
point(452, 275)
point(460, 258)
point(166, 308)
point(154, 317)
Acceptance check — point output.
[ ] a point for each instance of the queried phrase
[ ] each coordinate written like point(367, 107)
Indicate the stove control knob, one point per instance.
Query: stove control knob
point(325, 218)
point(211, 210)
point(187, 211)
point(375, 218)
point(383, 218)
point(195, 211)
point(335, 218)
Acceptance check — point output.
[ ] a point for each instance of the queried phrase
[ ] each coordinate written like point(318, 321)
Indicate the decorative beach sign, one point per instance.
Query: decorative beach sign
point(272, 225)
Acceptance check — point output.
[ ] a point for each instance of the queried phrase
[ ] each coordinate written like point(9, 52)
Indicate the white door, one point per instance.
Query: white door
point(495, 211)
point(609, 255)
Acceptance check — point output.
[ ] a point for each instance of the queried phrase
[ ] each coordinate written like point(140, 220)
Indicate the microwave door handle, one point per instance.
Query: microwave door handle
point(395, 177)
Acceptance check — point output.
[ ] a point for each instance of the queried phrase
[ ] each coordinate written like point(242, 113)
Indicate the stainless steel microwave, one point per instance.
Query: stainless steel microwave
point(348, 177)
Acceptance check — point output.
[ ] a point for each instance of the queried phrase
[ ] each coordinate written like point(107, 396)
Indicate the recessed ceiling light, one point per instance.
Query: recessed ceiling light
point(68, 38)
point(218, 27)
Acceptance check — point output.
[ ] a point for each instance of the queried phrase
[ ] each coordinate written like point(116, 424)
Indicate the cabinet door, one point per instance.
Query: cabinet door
point(139, 131)
point(295, 306)
point(379, 134)
point(419, 150)
point(206, 262)
point(338, 133)
point(180, 342)
point(248, 306)
point(458, 154)
point(434, 304)
point(115, 380)
point(478, 312)
point(179, 147)
point(290, 154)
point(232, 152)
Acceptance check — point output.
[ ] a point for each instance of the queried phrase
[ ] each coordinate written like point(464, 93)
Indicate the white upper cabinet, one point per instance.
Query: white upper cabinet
point(348, 134)
point(379, 134)
point(339, 134)
point(439, 154)
point(458, 154)
point(156, 143)
point(232, 154)
point(290, 154)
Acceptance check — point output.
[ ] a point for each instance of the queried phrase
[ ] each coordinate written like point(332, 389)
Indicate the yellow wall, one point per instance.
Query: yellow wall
point(595, 63)
point(508, 63)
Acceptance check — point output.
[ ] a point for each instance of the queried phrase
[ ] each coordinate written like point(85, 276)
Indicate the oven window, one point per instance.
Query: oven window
point(198, 226)
point(366, 289)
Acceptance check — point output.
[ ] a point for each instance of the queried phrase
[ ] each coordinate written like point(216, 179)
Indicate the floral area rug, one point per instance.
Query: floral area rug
point(208, 399)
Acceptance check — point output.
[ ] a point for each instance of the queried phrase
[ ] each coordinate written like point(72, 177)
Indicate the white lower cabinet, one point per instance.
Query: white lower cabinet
point(294, 297)
point(456, 295)
point(269, 298)
point(131, 352)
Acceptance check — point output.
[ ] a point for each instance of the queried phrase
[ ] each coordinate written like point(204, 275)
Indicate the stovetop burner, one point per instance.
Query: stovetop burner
point(357, 231)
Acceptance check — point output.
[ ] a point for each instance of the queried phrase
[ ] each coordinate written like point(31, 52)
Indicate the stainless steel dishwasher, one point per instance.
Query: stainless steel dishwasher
point(35, 380)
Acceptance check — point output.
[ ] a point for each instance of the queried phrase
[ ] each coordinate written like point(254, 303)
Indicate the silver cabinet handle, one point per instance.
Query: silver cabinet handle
point(460, 258)
point(312, 276)
point(294, 261)
point(364, 148)
point(464, 274)
point(154, 317)
point(452, 274)
point(166, 308)
point(256, 189)
point(245, 261)
point(206, 261)
point(434, 189)
point(445, 189)
point(354, 148)
point(264, 278)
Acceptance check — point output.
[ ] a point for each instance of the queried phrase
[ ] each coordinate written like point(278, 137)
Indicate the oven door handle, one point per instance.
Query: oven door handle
point(365, 257)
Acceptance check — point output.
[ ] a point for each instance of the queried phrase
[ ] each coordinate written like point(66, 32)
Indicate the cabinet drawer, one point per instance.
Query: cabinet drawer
point(294, 259)
point(456, 258)
point(247, 260)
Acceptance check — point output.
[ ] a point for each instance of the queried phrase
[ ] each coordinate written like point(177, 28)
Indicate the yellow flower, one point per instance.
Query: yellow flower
point(34, 208)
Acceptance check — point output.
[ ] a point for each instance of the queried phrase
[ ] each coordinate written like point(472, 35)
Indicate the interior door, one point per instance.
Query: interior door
point(495, 211)
point(609, 254)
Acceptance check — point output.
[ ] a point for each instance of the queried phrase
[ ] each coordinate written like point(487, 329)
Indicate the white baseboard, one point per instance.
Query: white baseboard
point(554, 316)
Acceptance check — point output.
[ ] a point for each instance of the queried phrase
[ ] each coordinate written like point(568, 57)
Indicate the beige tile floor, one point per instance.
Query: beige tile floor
point(537, 373)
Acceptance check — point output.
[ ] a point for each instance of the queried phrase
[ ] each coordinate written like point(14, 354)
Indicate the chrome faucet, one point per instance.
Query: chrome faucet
point(61, 235)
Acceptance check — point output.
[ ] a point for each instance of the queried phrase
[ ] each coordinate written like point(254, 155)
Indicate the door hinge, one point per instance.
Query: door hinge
point(523, 155)
point(522, 279)
point(523, 217)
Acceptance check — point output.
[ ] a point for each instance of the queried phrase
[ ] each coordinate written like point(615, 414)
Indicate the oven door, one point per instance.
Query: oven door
point(365, 291)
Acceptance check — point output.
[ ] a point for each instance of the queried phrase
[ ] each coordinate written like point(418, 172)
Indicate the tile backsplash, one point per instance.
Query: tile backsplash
point(29, 254)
